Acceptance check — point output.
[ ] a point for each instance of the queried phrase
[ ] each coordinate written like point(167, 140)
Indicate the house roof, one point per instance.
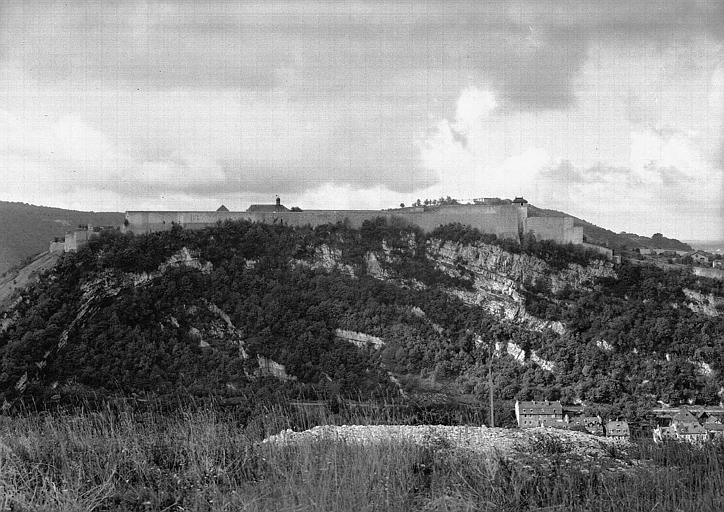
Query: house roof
point(267, 208)
point(222, 208)
point(519, 200)
point(689, 428)
point(684, 416)
point(540, 407)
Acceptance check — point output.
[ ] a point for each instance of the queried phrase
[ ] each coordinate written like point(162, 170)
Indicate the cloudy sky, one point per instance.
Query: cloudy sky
point(610, 110)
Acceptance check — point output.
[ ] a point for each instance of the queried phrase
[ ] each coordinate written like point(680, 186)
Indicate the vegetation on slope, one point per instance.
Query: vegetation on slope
point(145, 338)
point(26, 230)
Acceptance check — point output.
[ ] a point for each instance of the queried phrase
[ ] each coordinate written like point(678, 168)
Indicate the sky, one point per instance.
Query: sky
point(610, 110)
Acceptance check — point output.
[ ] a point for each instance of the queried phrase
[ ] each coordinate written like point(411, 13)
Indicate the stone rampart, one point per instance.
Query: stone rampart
point(604, 251)
point(505, 221)
point(559, 229)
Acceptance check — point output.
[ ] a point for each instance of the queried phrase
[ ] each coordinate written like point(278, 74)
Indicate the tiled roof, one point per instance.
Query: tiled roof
point(689, 428)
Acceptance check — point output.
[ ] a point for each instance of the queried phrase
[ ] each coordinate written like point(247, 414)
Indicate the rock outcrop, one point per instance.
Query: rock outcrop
point(709, 305)
point(500, 278)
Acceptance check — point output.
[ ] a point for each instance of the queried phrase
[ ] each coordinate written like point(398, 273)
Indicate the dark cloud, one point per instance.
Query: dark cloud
point(529, 51)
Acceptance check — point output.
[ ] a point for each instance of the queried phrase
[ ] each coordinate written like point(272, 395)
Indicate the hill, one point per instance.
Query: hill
point(244, 309)
point(26, 230)
point(620, 242)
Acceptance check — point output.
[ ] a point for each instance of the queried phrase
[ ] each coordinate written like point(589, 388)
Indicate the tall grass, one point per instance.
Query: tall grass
point(210, 459)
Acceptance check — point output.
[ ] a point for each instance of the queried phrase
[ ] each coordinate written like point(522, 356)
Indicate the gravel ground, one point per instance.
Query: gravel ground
point(506, 442)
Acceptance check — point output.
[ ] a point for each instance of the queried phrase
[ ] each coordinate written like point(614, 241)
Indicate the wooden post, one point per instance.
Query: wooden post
point(490, 386)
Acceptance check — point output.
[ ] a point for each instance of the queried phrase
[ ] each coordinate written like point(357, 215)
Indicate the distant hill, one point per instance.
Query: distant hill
point(617, 241)
point(26, 229)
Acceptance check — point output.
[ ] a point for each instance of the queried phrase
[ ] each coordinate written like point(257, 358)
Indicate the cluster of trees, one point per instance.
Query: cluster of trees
point(140, 340)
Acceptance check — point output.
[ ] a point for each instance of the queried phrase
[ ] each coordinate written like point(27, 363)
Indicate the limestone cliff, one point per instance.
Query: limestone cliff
point(709, 305)
point(500, 278)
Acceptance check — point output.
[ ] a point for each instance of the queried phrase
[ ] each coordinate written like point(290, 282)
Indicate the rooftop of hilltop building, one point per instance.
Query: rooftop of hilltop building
point(276, 207)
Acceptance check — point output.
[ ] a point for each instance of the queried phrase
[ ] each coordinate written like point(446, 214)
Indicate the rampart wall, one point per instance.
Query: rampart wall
point(501, 220)
point(604, 251)
point(505, 221)
point(560, 229)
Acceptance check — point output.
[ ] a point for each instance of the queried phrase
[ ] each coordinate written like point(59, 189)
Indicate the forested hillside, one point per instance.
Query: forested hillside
point(26, 230)
point(242, 309)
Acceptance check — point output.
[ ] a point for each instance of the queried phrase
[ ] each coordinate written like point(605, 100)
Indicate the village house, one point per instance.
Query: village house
point(591, 424)
point(684, 427)
point(618, 430)
point(714, 430)
point(530, 414)
point(699, 258)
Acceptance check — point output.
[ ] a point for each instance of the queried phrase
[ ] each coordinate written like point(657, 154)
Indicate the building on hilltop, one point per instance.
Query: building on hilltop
point(261, 208)
point(79, 238)
point(699, 257)
point(532, 414)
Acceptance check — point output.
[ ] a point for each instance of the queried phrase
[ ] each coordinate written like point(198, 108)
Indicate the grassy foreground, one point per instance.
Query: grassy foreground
point(209, 460)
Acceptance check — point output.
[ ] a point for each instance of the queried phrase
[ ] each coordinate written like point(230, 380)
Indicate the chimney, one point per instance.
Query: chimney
point(279, 201)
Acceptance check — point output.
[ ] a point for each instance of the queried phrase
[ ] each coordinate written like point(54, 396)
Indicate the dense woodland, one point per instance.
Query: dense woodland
point(144, 339)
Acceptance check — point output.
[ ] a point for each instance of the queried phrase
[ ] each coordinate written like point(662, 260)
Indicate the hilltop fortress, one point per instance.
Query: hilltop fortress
point(504, 218)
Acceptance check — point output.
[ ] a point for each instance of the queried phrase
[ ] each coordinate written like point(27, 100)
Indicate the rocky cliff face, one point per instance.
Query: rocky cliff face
point(709, 305)
point(500, 278)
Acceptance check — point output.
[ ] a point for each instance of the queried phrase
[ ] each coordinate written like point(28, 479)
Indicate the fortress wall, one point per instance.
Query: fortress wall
point(558, 229)
point(501, 220)
point(56, 247)
point(604, 251)
point(504, 221)
point(147, 222)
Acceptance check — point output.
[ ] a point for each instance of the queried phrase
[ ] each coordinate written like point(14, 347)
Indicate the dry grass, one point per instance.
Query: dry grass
point(209, 460)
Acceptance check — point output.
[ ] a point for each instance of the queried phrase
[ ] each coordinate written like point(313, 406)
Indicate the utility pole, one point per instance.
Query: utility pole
point(490, 386)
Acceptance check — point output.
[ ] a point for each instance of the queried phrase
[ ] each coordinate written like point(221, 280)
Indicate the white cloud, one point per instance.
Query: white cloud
point(469, 152)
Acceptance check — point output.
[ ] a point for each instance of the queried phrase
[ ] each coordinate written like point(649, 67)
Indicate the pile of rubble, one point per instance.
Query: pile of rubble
point(483, 440)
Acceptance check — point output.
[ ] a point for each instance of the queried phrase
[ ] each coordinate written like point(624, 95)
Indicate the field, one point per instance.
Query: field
point(210, 459)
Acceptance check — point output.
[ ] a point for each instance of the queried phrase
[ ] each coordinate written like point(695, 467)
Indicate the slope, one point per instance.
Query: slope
point(621, 242)
point(243, 308)
point(26, 230)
